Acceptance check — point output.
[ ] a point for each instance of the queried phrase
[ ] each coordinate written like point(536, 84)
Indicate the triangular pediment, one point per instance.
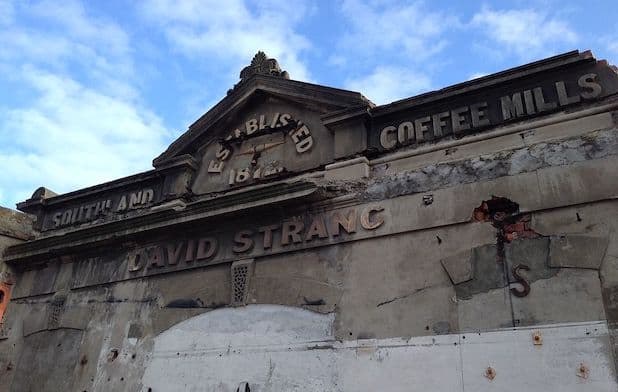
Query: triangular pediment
point(249, 93)
point(266, 128)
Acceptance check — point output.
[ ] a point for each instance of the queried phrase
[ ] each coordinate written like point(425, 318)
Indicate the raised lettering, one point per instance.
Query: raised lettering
point(122, 205)
point(74, 214)
point(173, 253)
point(206, 248)
point(421, 127)
point(251, 126)
point(257, 173)
point(512, 107)
point(588, 82)
point(88, 208)
point(539, 99)
point(302, 139)
point(366, 217)
point(273, 124)
point(285, 118)
point(268, 235)
point(57, 219)
point(291, 232)
point(232, 179)
point(529, 101)
point(316, 229)
point(243, 241)
point(478, 113)
point(242, 175)
point(155, 257)
point(190, 254)
point(215, 166)
point(66, 217)
point(386, 141)
point(304, 145)
point(223, 153)
point(348, 223)
point(405, 132)
point(98, 209)
point(521, 280)
point(135, 261)
point(563, 96)
point(459, 120)
point(439, 125)
point(135, 199)
point(147, 196)
point(262, 122)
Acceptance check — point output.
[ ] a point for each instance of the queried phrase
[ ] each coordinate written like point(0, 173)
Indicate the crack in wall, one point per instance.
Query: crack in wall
point(402, 296)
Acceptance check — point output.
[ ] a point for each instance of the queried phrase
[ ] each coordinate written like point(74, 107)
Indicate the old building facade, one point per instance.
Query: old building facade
point(300, 238)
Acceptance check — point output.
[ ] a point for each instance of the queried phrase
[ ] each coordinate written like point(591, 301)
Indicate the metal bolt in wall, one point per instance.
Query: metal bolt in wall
point(583, 371)
point(537, 338)
point(490, 373)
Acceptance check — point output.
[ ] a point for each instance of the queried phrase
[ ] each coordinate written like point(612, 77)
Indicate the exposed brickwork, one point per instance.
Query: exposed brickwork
point(519, 229)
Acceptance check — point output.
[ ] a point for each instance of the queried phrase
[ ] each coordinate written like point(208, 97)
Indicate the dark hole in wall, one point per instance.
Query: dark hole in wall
point(185, 303)
point(314, 302)
point(243, 387)
point(113, 354)
point(1, 296)
point(495, 210)
point(500, 211)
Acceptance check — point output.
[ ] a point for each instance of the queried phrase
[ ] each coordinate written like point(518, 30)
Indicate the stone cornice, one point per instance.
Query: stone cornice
point(505, 76)
point(122, 230)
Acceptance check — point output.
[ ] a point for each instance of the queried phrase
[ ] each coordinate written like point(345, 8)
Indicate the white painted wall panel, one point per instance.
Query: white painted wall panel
point(277, 348)
point(552, 366)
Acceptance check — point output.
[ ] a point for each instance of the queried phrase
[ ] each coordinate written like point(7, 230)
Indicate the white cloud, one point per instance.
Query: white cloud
point(67, 36)
point(386, 84)
point(72, 136)
point(232, 31)
point(408, 29)
point(389, 46)
point(79, 119)
point(528, 33)
point(612, 49)
point(337, 60)
point(73, 20)
point(477, 75)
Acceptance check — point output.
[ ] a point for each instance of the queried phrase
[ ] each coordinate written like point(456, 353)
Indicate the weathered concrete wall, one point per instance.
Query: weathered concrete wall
point(15, 227)
point(442, 267)
point(357, 248)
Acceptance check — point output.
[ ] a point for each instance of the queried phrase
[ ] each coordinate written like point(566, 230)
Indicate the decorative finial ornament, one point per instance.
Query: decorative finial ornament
point(262, 65)
point(43, 193)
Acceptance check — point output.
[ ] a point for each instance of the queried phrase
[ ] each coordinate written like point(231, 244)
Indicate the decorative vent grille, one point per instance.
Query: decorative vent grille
point(55, 311)
point(241, 276)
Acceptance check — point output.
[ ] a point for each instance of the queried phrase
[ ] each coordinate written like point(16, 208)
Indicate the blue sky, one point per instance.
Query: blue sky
point(91, 91)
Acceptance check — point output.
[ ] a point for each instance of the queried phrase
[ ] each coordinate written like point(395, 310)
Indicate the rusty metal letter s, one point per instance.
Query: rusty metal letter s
point(521, 280)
